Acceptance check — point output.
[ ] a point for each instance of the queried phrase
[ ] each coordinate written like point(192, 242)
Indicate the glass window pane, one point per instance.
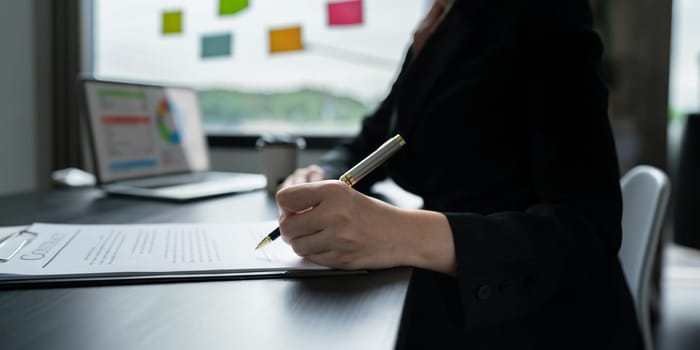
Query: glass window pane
point(301, 66)
point(685, 58)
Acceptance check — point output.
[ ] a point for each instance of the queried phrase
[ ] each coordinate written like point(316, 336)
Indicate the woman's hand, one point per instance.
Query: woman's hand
point(303, 175)
point(334, 225)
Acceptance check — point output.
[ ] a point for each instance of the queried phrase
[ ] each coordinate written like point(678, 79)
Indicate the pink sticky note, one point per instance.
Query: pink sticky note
point(342, 13)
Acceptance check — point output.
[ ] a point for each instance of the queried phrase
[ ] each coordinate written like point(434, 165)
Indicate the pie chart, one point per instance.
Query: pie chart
point(167, 121)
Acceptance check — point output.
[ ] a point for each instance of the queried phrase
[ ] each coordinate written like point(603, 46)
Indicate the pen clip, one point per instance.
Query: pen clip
point(14, 243)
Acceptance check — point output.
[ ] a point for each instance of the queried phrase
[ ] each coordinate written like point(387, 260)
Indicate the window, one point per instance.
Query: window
point(309, 67)
point(685, 59)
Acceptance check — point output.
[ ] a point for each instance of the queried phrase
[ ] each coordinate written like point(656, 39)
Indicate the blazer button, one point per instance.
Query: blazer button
point(530, 282)
point(506, 286)
point(483, 292)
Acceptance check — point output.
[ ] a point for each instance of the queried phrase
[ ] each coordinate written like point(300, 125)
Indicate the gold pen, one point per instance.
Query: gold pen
point(356, 173)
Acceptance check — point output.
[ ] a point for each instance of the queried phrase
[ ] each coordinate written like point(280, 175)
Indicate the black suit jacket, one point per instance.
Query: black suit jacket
point(507, 133)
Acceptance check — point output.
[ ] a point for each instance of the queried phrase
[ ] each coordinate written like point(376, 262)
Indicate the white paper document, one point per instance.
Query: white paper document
point(64, 250)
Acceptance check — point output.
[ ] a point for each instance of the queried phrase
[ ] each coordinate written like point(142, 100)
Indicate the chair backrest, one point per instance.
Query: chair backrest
point(645, 193)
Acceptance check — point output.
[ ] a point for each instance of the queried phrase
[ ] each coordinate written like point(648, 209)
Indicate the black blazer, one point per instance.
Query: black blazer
point(507, 133)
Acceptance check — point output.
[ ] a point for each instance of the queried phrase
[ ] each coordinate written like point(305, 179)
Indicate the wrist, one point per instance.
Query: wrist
point(428, 242)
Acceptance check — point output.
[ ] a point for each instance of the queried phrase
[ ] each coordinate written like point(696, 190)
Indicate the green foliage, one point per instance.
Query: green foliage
point(304, 106)
point(675, 115)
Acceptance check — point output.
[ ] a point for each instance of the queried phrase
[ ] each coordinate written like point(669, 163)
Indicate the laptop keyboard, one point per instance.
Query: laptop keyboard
point(181, 179)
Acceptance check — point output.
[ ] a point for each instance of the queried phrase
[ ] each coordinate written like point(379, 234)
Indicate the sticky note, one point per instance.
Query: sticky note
point(286, 39)
point(216, 45)
point(345, 13)
point(172, 22)
point(230, 7)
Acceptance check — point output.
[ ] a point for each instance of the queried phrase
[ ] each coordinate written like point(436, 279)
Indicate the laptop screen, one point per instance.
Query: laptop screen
point(142, 130)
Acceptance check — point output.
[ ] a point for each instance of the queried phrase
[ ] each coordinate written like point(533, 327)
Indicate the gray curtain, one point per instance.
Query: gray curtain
point(65, 57)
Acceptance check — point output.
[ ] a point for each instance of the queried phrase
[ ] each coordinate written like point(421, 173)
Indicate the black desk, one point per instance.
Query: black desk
point(349, 312)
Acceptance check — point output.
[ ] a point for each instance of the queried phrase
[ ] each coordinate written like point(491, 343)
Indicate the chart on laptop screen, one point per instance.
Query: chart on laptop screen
point(144, 130)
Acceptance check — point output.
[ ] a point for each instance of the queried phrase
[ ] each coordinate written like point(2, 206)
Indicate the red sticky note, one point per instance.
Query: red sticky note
point(343, 13)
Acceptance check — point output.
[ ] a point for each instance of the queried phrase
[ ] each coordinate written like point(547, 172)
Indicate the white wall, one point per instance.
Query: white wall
point(17, 97)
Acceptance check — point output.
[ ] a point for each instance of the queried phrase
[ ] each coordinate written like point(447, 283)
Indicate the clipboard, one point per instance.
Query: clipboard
point(12, 240)
point(19, 246)
point(99, 281)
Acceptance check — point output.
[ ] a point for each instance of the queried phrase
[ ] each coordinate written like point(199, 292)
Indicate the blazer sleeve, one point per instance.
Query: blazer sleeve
point(374, 132)
point(512, 263)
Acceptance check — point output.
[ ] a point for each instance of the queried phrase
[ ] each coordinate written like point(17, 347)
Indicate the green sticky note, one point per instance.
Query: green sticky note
point(172, 22)
point(230, 7)
point(216, 45)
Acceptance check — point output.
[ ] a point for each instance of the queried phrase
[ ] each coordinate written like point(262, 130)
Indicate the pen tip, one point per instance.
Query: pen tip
point(263, 243)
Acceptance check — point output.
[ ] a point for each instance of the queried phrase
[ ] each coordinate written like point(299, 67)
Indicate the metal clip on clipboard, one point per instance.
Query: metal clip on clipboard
point(13, 243)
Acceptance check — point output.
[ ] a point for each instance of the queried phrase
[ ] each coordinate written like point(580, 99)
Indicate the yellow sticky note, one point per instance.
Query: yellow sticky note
point(286, 39)
point(172, 22)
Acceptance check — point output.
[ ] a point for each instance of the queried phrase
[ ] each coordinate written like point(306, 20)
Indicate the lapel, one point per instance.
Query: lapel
point(423, 70)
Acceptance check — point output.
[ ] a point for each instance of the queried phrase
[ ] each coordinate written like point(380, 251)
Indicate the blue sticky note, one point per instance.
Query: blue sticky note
point(216, 45)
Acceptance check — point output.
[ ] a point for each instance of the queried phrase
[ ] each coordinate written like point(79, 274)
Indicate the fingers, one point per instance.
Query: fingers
point(294, 199)
point(311, 244)
point(308, 215)
point(315, 174)
point(327, 222)
point(335, 259)
point(303, 175)
point(304, 223)
point(319, 248)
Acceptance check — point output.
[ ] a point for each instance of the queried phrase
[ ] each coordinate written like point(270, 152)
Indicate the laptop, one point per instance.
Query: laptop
point(147, 140)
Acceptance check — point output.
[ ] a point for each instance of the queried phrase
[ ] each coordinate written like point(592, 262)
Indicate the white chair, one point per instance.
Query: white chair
point(645, 194)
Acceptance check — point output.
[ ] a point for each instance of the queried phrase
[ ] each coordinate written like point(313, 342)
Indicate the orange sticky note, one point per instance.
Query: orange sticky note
point(286, 39)
point(172, 22)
